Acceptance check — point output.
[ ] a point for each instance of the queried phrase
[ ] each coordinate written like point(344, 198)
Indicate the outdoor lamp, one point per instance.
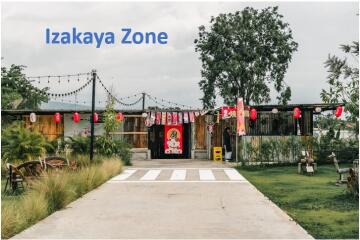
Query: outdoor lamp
point(253, 114)
point(119, 117)
point(57, 117)
point(32, 117)
point(76, 117)
point(95, 118)
point(297, 113)
point(338, 111)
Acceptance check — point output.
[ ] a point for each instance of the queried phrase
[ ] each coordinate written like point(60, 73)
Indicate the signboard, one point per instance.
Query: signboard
point(173, 139)
point(228, 112)
point(240, 118)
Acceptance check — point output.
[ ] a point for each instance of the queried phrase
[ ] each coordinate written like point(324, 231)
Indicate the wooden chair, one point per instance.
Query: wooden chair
point(15, 178)
point(55, 162)
point(340, 171)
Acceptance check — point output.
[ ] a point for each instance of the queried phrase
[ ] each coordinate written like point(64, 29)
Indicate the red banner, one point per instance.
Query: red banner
point(174, 118)
point(228, 112)
point(158, 118)
point(173, 139)
point(163, 118)
point(240, 118)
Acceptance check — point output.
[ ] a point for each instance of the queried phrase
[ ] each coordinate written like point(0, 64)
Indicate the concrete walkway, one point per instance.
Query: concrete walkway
point(148, 204)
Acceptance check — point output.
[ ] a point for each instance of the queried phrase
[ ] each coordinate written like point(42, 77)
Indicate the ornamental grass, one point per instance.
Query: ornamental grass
point(53, 191)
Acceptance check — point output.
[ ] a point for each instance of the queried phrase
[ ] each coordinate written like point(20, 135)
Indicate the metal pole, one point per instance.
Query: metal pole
point(92, 115)
point(143, 101)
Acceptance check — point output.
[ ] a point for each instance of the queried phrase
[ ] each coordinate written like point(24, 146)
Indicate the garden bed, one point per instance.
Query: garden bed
point(52, 192)
point(315, 202)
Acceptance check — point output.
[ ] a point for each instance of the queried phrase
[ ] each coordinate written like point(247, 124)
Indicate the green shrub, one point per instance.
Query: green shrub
point(19, 143)
point(79, 145)
point(104, 146)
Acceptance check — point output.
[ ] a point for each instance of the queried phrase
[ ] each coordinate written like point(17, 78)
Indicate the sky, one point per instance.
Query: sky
point(170, 71)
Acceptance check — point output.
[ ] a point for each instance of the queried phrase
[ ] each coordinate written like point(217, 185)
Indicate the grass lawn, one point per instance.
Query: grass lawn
point(315, 202)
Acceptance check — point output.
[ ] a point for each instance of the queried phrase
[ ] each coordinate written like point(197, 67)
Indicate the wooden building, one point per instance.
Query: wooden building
point(197, 141)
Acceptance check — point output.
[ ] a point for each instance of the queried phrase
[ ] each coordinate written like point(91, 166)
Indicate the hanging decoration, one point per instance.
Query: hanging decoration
point(218, 117)
point(274, 110)
point(240, 118)
point(253, 114)
point(163, 118)
point(144, 115)
point(228, 112)
point(96, 117)
point(191, 117)
point(76, 117)
point(168, 119)
point(180, 118)
point(297, 113)
point(147, 122)
point(186, 117)
point(32, 117)
point(197, 113)
point(174, 118)
point(210, 127)
point(338, 111)
point(152, 118)
point(173, 139)
point(158, 118)
point(57, 118)
point(119, 117)
point(318, 109)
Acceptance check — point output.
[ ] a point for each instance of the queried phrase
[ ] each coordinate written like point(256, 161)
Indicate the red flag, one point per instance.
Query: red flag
point(169, 119)
point(158, 118)
point(186, 117)
point(174, 118)
point(180, 118)
point(191, 116)
point(163, 118)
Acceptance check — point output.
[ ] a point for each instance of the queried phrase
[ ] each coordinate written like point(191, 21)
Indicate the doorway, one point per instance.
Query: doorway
point(157, 142)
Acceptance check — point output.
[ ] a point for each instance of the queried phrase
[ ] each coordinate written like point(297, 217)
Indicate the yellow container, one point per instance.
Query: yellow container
point(217, 154)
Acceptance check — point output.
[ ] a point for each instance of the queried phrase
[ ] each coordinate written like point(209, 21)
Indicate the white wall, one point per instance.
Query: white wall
point(81, 128)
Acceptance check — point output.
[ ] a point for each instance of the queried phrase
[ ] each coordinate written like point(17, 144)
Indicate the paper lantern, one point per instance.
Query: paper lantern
point(144, 115)
point(338, 111)
point(274, 110)
point(32, 117)
point(57, 117)
point(253, 114)
point(76, 117)
point(318, 109)
point(297, 113)
point(95, 118)
point(119, 117)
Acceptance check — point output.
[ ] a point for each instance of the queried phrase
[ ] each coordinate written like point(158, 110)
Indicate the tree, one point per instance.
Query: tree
point(242, 54)
point(343, 80)
point(17, 91)
point(110, 122)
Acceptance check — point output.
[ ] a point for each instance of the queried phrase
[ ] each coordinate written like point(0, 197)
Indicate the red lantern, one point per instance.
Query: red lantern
point(96, 118)
point(297, 113)
point(57, 117)
point(253, 114)
point(76, 117)
point(338, 111)
point(119, 117)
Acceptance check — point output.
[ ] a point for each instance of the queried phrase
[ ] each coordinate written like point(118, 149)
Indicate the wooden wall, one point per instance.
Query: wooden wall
point(45, 125)
point(133, 131)
point(200, 133)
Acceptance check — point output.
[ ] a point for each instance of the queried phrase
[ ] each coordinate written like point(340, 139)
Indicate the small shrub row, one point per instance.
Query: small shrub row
point(52, 192)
